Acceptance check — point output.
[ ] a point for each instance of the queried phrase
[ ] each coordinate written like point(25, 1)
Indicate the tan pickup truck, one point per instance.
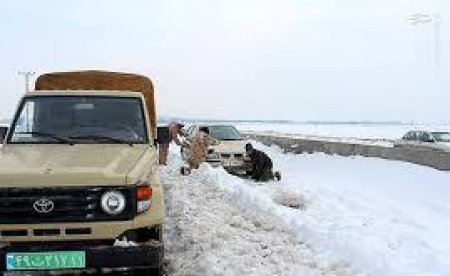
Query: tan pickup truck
point(79, 180)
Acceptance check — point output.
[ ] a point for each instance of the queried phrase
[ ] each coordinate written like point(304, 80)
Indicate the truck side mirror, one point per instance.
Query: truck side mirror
point(3, 131)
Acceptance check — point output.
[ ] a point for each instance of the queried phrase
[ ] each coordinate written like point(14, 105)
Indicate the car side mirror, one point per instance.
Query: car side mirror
point(3, 132)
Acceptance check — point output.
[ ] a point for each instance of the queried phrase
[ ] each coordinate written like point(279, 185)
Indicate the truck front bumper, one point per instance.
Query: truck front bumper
point(146, 255)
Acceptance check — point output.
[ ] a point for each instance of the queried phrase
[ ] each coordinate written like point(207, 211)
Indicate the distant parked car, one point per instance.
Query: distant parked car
point(435, 139)
point(228, 151)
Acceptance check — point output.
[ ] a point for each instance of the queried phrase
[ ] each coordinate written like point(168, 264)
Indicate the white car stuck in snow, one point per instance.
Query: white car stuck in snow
point(228, 150)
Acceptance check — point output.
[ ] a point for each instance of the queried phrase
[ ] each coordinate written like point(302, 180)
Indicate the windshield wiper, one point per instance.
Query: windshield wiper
point(48, 135)
point(101, 137)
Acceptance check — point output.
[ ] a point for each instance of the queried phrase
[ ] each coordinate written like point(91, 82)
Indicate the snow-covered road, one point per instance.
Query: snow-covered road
point(328, 216)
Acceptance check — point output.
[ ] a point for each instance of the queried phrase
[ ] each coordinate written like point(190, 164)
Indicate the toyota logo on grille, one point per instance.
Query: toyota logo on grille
point(43, 205)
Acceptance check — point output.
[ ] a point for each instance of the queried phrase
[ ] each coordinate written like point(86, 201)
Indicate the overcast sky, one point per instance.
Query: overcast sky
point(298, 60)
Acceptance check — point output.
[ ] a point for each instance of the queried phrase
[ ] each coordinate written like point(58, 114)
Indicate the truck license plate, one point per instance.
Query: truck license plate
point(46, 260)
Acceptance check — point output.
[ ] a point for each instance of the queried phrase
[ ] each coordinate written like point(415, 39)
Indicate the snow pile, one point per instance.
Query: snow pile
point(124, 243)
point(329, 215)
point(216, 226)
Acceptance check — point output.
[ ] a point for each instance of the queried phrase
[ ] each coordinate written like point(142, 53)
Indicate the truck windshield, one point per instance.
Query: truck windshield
point(79, 119)
point(225, 133)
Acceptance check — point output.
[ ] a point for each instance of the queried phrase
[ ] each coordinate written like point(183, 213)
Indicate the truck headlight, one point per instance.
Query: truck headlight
point(113, 202)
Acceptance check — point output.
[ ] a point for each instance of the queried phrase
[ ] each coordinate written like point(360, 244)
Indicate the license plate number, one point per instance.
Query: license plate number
point(46, 260)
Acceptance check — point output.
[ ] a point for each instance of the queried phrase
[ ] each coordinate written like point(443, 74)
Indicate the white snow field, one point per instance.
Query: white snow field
point(328, 215)
point(341, 130)
point(349, 140)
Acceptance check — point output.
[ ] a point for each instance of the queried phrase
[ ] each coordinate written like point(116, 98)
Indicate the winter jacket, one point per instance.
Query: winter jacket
point(199, 149)
point(261, 164)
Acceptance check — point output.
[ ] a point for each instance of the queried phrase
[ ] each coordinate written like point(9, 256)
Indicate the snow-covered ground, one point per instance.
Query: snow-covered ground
point(219, 225)
point(328, 215)
point(361, 131)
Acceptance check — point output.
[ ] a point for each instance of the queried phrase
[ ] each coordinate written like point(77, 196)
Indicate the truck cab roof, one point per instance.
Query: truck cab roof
point(112, 93)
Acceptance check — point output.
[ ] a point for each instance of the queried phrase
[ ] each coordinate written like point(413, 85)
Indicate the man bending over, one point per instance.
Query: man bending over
point(262, 166)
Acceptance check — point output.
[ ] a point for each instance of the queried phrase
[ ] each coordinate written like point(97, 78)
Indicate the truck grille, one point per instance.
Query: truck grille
point(18, 205)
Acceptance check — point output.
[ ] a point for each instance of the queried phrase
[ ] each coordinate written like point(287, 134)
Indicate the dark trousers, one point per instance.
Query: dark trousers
point(266, 175)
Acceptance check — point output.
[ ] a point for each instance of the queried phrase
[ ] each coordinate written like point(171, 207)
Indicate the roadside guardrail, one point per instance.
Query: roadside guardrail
point(385, 149)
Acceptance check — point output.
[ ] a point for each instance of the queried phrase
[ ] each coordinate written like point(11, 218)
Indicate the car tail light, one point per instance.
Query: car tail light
point(144, 198)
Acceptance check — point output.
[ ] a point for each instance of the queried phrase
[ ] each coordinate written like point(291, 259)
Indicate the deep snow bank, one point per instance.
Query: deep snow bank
point(379, 217)
point(382, 217)
point(218, 225)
